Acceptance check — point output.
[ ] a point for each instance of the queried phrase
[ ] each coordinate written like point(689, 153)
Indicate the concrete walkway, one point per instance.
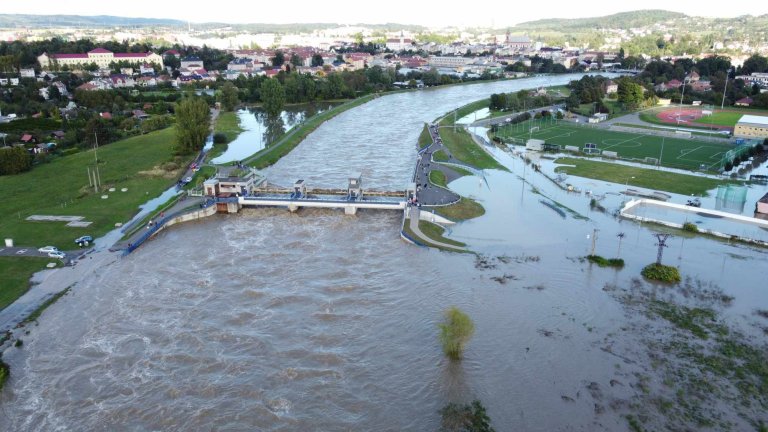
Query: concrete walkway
point(414, 215)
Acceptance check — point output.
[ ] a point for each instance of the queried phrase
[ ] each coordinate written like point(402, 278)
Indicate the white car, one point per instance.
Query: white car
point(48, 249)
point(57, 254)
point(188, 180)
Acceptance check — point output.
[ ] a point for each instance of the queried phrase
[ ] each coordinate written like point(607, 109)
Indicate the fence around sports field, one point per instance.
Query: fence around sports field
point(645, 146)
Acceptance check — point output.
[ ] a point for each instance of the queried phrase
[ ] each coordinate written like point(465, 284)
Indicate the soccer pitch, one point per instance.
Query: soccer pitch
point(685, 153)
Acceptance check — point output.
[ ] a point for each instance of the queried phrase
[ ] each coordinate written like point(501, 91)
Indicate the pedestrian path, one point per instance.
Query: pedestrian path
point(414, 217)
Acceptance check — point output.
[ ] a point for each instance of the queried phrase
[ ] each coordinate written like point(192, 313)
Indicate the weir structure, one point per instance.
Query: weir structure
point(232, 194)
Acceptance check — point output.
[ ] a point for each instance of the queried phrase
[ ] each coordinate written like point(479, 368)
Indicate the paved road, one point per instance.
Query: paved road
point(31, 251)
point(427, 193)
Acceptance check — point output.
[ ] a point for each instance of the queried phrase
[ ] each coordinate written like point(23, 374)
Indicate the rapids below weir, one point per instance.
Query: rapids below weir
point(268, 320)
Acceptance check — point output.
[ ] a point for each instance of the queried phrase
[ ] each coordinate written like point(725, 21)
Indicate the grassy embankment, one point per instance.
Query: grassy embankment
point(434, 232)
point(641, 177)
point(16, 272)
point(289, 141)
point(425, 139)
point(143, 165)
point(227, 123)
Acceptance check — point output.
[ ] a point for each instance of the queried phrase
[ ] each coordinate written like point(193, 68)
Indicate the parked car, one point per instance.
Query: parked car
point(84, 240)
point(187, 180)
point(57, 254)
point(48, 249)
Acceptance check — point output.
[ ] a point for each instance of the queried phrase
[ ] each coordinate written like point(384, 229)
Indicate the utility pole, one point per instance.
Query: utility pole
point(594, 240)
point(661, 243)
point(96, 175)
point(722, 104)
point(621, 237)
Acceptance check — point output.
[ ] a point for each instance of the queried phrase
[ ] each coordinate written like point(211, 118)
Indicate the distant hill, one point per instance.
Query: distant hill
point(43, 21)
point(623, 20)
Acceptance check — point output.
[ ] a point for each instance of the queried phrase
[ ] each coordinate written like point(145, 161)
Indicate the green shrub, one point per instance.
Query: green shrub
point(690, 227)
point(455, 332)
point(661, 272)
point(219, 138)
point(603, 262)
point(469, 417)
point(5, 371)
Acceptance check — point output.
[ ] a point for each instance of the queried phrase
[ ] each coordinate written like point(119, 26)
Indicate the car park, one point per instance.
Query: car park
point(57, 254)
point(48, 249)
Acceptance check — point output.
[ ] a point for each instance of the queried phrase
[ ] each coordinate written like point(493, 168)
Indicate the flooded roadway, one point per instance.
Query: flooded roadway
point(268, 320)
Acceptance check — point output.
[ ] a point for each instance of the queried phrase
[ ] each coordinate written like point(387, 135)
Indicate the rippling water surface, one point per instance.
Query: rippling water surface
point(268, 320)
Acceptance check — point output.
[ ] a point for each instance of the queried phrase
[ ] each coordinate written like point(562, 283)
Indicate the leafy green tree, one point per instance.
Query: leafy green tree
point(296, 60)
point(317, 60)
point(192, 125)
point(279, 59)
point(228, 96)
point(272, 96)
point(629, 93)
point(455, 331)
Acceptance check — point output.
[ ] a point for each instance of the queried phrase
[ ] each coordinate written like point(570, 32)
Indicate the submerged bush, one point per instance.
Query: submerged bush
point(661, 272)
point(605, 262)
point(465, 418)
point(690, 227)
point(455, 331)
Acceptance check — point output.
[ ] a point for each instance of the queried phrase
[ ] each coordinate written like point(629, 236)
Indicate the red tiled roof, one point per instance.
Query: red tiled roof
point(131, 55)
point(99, 51)
point(26, 137)
point(68, 56)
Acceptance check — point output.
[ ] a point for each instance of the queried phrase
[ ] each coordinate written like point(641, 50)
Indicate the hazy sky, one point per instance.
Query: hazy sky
point(496, 13)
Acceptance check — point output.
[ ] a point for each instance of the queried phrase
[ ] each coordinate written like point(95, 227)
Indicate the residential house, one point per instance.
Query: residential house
point(693, 77)
point(27, 138)
point(122, 81)
point(611, 87)
point(192, 63)
point(140, 114)
point(173, 53)
point(701, 86)
point(146, 69)
point(747, 101)
point(62, 88)
point(146, 81)
point(27, 73)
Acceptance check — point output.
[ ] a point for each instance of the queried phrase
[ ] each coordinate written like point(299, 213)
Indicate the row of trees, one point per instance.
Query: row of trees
point(518, 101)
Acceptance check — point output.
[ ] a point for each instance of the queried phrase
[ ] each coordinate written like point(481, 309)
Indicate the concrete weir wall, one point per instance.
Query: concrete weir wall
point(634, 203)
point(202, 213)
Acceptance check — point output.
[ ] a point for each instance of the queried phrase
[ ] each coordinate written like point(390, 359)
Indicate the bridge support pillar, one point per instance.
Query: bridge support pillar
point(293, 208)
point(350, 210)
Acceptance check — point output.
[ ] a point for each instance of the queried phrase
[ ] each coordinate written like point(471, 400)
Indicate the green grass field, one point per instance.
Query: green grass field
point(683, 153)
point(633, 176)
point(16, 272)
point(61, 188)
point(723, 118)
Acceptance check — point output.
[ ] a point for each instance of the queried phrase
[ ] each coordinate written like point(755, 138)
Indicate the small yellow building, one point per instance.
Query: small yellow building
point(751, 126)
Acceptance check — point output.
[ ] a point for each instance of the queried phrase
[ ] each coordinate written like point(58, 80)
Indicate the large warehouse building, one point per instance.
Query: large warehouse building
point(751, 126)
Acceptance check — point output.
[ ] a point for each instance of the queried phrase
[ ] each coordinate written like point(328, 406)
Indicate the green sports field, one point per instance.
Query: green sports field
point(722, 118)
point(685, 153)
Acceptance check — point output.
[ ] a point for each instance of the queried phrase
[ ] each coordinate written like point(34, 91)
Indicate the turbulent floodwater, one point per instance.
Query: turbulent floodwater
point(379, 137)
point(268, 320)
